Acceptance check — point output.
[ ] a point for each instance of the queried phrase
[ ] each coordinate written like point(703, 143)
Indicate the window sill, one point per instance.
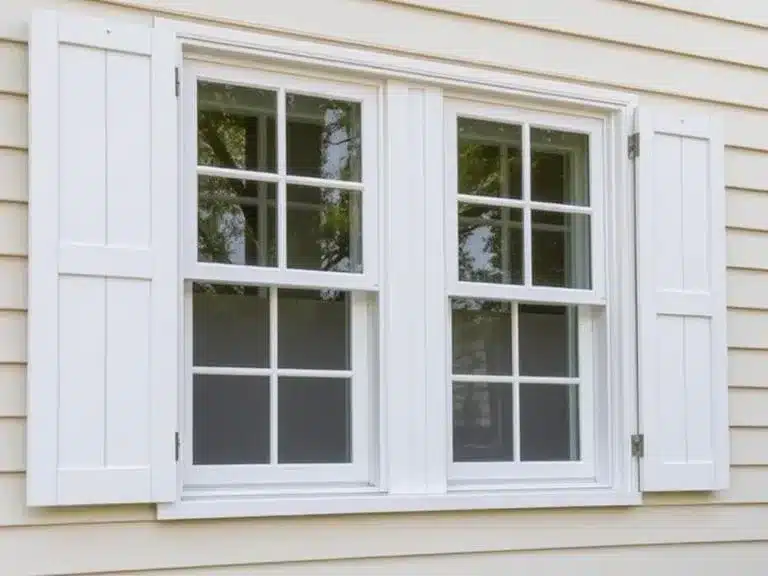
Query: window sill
point(383, 503)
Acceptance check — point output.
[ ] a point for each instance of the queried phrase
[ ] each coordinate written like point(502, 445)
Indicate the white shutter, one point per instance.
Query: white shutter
point(103, 274)
point(681, 303)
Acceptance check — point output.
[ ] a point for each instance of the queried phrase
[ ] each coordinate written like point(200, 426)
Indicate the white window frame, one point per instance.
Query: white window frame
point(284, 478)
point(398, 488)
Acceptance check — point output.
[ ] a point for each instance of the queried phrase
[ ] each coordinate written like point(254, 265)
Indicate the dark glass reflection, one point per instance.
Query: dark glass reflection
point(231, 420)
point(482, 422)
point(314, 421)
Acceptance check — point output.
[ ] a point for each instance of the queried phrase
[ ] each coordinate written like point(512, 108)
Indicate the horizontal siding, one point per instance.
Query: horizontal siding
point(747, 289)
point(13, 167)
point(700, 559)
point(750, 12)
point(13, 68)
point(13, 336)
point(749, 408)
point(748, 329)
point(747, 249)
point(747, 209)
point(12, 391)
point(13, 229)
point(749, 446)
point(116, 546)
point(618, 22)
point(748, 368)
point(392, 26)
point(12, 457)
point(13, 121)
point(13, 287)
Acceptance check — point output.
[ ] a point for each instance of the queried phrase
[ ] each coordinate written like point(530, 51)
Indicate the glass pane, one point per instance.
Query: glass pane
point(490, 244)
point(549, 422)
point(483, 148)
point(236, 127)
point(236, 222)
point(559, 167)
point(313, 329)
point(323, 138)
point(314, 421)
point(482, 337)
point(230, 326)
point(561, 250)
point(230, 419)
point(482, 422)
point(324, 229)
point(548, 340)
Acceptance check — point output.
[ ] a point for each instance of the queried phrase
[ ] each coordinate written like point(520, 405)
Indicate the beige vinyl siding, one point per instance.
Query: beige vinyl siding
point(628, 561)
point(707, 533)
point(743, 11)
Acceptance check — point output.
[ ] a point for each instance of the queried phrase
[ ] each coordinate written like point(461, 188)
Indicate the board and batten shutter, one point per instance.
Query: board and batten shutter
point(681, 277)
point(104, 291)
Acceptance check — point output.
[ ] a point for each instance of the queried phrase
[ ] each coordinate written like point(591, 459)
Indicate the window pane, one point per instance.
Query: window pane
point(236, 127)
point(231, 420)
point(561, 250)
point(548, 340)
point(482, 337)
point(482, 422)
point(323, 138)
point(490, 244)
point(236, 222)
point(549, 422)
point(230, 326)
point(313, 329)
point(324, 229)
point(559, 167)
point(483, 148)
point(314, 420)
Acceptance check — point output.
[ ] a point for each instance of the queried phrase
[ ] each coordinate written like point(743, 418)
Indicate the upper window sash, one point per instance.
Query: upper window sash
point(281, 274)
point(528, 120)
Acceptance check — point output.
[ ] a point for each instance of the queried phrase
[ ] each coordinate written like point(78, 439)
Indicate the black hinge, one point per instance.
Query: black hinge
point(633, 145)
point(638, 445)
point(177, 444)
point(178, 81)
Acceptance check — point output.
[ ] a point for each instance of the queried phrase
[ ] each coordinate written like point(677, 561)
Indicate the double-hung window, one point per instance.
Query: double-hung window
point(525, 269)
point(280, 247)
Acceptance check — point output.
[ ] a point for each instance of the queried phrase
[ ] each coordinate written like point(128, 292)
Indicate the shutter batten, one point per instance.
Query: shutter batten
point(104, 283)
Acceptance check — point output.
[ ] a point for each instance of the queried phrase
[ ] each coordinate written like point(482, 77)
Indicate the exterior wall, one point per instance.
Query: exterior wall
point(654, 48)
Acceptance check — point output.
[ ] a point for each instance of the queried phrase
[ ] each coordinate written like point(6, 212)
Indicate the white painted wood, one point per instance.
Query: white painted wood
point(402, 299)
point(681, 303)
point(104, 283)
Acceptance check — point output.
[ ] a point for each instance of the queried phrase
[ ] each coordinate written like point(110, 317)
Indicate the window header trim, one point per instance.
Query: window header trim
point(207, 39)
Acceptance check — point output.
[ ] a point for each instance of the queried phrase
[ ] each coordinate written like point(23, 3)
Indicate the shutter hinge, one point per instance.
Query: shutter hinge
point(177, 445)
point(633, 145)
point(177, 74)
point(638, 445)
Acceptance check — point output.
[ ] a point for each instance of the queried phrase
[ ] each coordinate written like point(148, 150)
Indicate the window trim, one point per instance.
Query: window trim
point(619, 487)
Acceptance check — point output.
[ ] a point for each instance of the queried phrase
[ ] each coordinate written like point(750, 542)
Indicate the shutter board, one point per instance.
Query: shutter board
point(681, 303)
point(104, 288)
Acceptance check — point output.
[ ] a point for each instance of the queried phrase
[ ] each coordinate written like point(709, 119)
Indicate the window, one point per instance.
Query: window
point(525, 276)
point(281, 249)
point(319, 279)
